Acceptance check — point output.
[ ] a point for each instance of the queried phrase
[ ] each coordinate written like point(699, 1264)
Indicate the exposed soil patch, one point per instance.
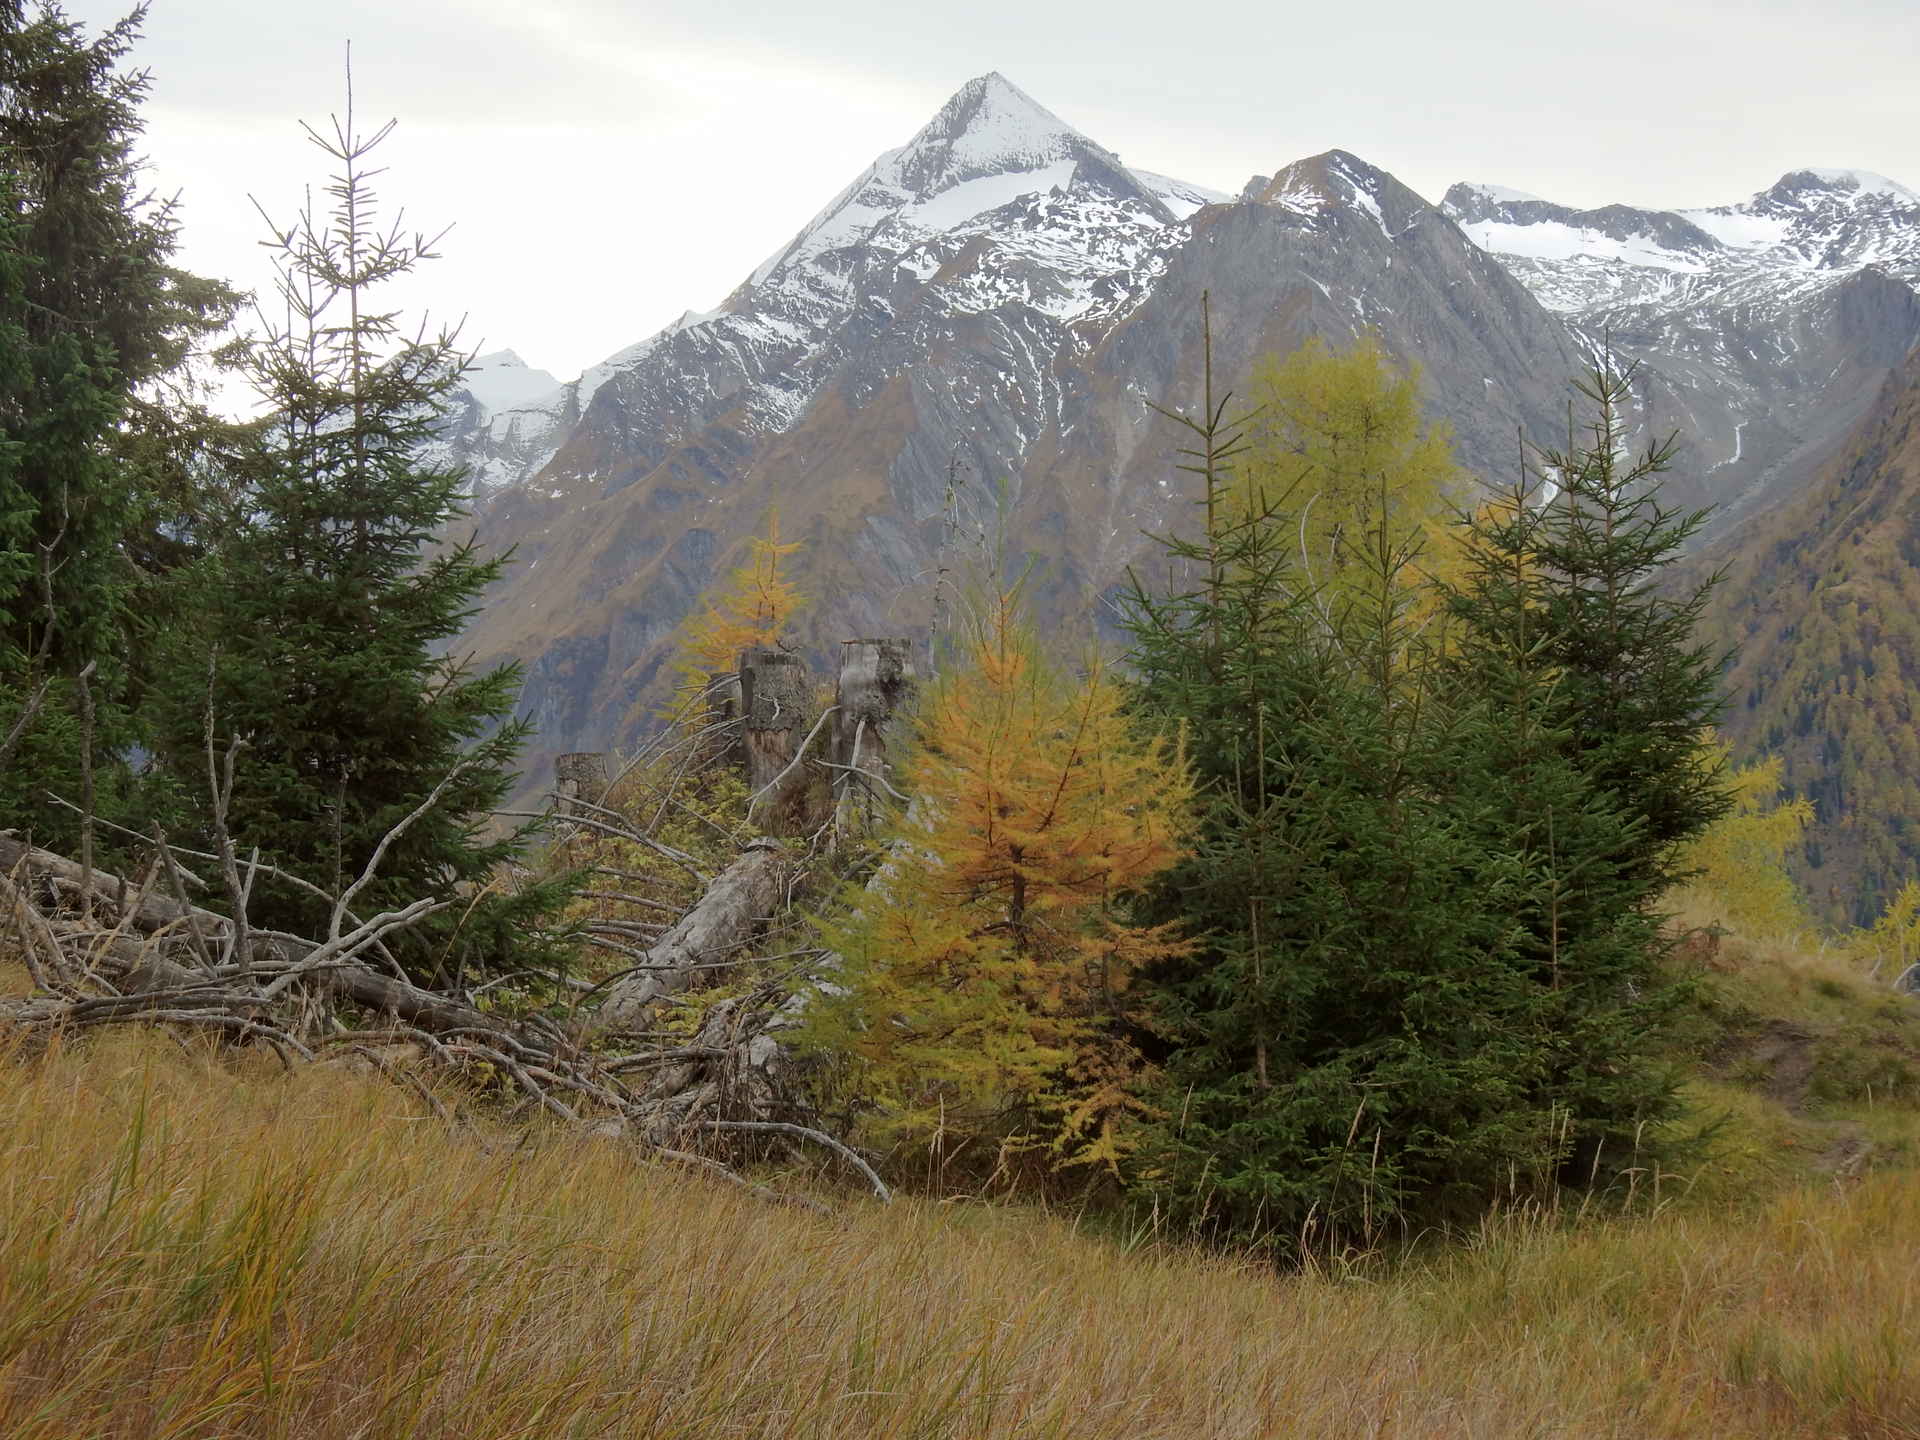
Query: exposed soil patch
point(1850, 1151)
point(1778, 1061)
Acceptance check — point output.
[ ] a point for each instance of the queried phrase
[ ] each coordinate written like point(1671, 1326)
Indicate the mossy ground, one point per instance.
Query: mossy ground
point(1803, 1064)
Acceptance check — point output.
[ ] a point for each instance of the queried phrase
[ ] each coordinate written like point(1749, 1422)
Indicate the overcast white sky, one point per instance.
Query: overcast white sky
point(607, 164)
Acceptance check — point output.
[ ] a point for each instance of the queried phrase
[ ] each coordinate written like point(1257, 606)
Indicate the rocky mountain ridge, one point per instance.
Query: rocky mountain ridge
point(1764, 329)
point(1081, 226)
point(1002, 304)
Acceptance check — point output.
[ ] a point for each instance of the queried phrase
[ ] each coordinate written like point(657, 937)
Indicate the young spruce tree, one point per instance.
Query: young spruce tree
point(327, 610)
point(1600, 775)
point(1423, 896)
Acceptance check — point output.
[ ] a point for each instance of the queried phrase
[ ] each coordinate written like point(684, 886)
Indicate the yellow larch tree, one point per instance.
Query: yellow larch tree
point(1893, 942)
point(1340, 451)
point(750, 614)
point(1741, 860)
point(983, 967)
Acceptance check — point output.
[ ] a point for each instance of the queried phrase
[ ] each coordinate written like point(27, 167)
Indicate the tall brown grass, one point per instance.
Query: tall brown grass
point(196, 1247)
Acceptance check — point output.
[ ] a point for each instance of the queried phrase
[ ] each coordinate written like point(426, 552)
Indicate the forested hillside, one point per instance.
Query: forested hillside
point(1822, 601)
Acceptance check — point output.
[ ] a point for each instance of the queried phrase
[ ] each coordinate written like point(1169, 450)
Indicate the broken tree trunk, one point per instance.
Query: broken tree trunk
point(738, 902)
point(775, 695)
point(725, 744)
point(388, 995)
point(154, 912)
point(876, 682)
point(581, 775)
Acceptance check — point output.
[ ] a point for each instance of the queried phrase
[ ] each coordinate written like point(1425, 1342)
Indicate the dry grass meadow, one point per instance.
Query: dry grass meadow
point(206, 1247)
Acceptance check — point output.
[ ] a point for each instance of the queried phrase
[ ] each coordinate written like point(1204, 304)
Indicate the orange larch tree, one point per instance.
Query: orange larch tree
point(983, 968)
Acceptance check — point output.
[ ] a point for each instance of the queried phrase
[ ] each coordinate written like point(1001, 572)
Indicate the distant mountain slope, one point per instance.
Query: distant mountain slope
point(1765, 329)
point(1822, 597)
point(1002, 300)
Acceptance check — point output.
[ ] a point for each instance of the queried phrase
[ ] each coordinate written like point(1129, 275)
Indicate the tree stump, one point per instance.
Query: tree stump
point(776, 698)
point(724, 744)
point(581, 775)
point(876, 682)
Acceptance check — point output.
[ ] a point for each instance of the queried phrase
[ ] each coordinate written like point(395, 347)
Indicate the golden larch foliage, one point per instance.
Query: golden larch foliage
point(1892, 944)
point(1341, 449)
point(983, 964)
point(1742, 860)
point(751, 614)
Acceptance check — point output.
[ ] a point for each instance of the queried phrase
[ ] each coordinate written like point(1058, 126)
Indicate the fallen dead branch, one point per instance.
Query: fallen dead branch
point(103, 951)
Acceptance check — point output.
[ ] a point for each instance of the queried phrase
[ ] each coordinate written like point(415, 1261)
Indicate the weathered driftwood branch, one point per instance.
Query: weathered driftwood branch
point(143, 969)
point(384, 995)
point(738, 902)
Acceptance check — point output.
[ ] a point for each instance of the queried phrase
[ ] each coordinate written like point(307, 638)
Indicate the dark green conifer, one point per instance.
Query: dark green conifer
point(1596, 775)
point(1636, 686)
point(1424, 891)
point(1337, 1045)
point(328, 608)
point(93, 318)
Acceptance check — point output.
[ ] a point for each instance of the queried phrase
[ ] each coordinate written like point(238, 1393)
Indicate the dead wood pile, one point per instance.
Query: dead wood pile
point(101, 950)
point(697, 1078)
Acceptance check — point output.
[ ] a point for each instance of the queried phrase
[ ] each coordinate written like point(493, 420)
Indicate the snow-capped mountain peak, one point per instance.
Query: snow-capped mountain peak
point(1808, 228)
point(996, 202)
point(1473, 194)
point(501, 379)
point(1341, 182)
point(1000, 304)
point(1324, 182)
point(989, 128)
point(988, 146)
point(1767, 320)
point(1853, 185)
